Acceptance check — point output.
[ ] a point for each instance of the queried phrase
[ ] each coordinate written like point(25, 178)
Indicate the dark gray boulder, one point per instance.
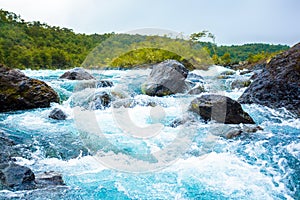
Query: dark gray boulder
point(222, 109)
point(166, 78)
point(19, 92)
point(278, 85)
point(57, 114)
point(16, 177)
point(77, 74)
point(50, 178)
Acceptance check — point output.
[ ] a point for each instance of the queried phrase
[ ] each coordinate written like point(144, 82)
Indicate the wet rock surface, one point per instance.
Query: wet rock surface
point(221, 109)
point(166, 78)
point(278, 85)
point(19, 92)
point(16, 177)
point(77, 74)
point(57, 114)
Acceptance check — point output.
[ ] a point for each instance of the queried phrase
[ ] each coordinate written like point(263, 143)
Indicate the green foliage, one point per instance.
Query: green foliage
point(226, 59)
point(240, 53)
point(147, 56)
point(39, 46)
point(124, 50)
point(263, 56)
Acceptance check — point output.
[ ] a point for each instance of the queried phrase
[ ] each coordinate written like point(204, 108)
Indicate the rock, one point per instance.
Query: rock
point(104, 83)
point(77, 74)
point(183, 120)
point(194, 77)
point(19, 92)
point(16, 176)
point(130, 103)
point(243, 72)
point(6, 148)
point(125, 103)
point(255, 74)
point(221, 109)
point(240, 83)
point(48, 179)
point(57, 114)
point(278, 85)
point(227, 73)
point(197, 90)
point(230, 131)
point(102, 100)
point(81, 85)
point(119, 94)
point(166, 78)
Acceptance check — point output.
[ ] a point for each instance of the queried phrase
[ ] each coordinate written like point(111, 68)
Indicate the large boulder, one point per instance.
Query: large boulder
point(16, 176)
point(19, 92)
point(222, 109)
point(278, 85)
point(77, 74)
point(166, 78)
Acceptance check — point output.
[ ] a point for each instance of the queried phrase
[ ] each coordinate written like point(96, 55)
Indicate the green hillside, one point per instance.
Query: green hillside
point(37, 45)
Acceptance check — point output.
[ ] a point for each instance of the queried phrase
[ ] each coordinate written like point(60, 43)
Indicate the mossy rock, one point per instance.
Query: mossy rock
point(19, 92)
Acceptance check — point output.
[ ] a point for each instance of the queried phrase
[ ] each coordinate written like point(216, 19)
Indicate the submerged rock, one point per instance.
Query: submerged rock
point(130, 103)
point(227, 131)
point(104, 83)
point(48, 179)
point(197, 90)
point(278, 85)
point(7, 149)
point(166, 78)
point(222, 109)
point(102, 100)
point(226, 74)
point(230, 131)
point(19, 92)
point(240, 83)
point(57, 114)
point(77, 74)
point(81, 85)
point(194, 77)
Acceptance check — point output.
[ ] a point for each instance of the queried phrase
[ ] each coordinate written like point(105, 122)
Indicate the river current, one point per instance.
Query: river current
point(190, 161)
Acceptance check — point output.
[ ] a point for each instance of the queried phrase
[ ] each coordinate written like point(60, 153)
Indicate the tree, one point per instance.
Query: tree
point(226, 59)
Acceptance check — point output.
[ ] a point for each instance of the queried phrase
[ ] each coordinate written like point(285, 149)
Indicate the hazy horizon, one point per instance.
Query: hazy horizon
point(233, 22)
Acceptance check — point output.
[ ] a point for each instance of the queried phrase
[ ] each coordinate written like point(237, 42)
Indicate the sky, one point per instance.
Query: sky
point(231, 21)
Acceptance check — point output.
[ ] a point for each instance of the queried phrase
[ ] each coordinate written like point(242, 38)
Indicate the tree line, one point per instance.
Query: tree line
point(37, 45)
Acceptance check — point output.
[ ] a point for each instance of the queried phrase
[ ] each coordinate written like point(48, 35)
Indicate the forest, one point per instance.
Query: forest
point(36, 45)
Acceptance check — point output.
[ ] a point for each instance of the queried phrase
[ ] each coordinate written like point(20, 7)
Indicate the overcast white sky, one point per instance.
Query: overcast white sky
point(232, 21)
